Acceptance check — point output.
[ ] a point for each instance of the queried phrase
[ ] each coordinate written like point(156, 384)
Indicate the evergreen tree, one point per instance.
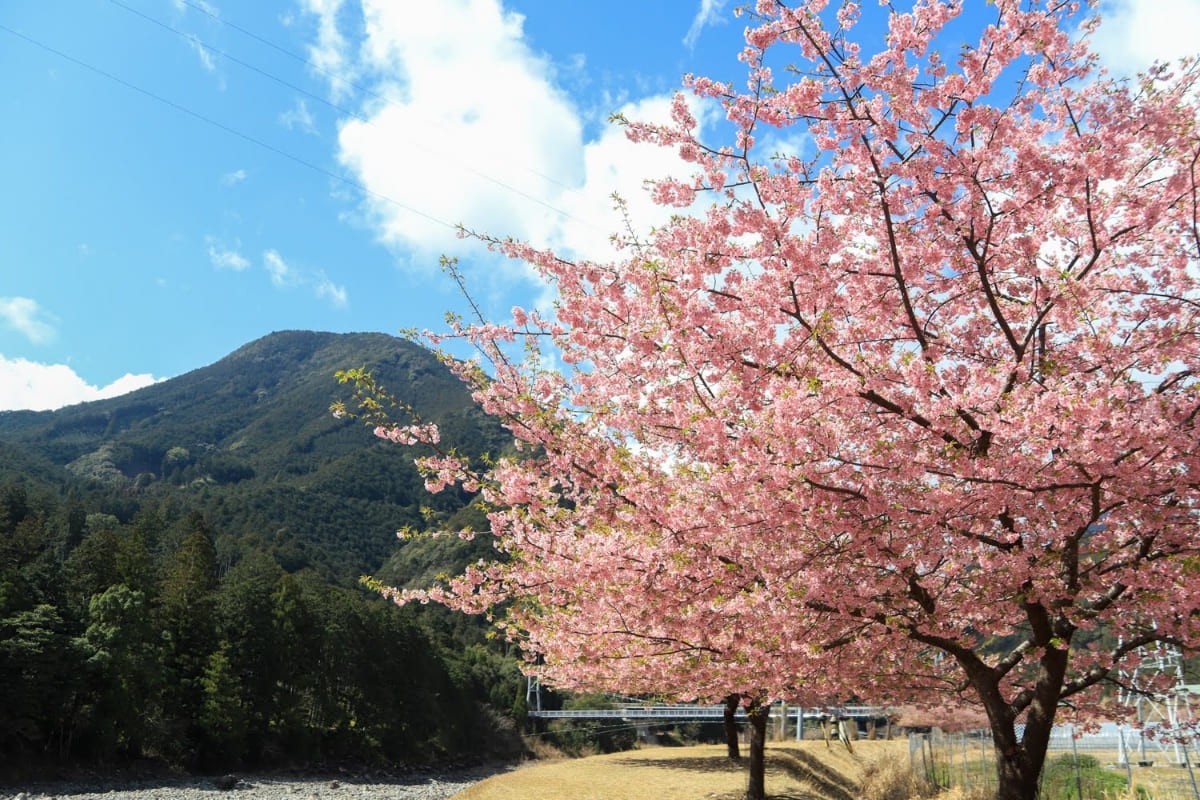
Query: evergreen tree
point(41, 665)
point(91, 568)
point(14, 507)
point(124, 668)
point(223, 714)
point(30, 571)
point(246, 623)
point(298, 636)
point(187, 616)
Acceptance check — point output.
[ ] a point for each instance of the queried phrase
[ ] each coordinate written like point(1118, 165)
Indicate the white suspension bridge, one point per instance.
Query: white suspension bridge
point(1154, 689)
point(641, 711)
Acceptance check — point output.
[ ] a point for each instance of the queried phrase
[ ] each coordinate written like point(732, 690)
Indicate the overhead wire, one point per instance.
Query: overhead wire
point(332, 76)
point(228, 129)
point(340, 109)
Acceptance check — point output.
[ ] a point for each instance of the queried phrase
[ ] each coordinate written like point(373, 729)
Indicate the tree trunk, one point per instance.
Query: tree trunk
point(757, 715)
point(1019, 762)
point(731, 729)
point(1017, 779)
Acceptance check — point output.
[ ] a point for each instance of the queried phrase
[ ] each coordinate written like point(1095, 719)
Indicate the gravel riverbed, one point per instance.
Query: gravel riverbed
point(418, 786)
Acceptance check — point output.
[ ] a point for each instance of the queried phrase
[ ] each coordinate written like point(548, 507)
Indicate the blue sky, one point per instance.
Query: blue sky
point(181, 177)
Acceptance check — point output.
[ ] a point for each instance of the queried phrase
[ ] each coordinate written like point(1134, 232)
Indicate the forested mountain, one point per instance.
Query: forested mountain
point(249, 441)
point(178, 571)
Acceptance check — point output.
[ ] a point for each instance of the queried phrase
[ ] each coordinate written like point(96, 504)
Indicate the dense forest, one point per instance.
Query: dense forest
point(179, 573)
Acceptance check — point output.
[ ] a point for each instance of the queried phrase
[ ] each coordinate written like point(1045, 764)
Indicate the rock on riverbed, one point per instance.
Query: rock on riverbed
point(237, 787)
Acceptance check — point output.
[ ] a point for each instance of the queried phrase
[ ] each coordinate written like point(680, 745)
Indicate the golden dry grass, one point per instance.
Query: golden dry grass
point(795, 771)
point(800, 770)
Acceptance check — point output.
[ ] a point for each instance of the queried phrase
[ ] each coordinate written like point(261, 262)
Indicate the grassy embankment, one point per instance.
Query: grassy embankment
point(808, 770)
point(877, 770)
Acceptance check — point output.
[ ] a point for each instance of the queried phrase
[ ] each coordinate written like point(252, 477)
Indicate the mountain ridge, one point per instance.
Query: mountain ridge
point(249, 441)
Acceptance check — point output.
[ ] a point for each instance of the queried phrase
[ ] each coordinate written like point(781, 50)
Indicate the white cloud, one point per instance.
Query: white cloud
point(709, 11)
point(39, 387)
point(202, 53)
point(298, 117)
point(26, 317)
point(1135, 33)
point(615, 165)
point(476, 130)
point(328, 54)
point(223, 258)
point(277, 268)
point(480, 132)
point(328, 290)
point(202, 5)
point(233, 178)
point(286, 276)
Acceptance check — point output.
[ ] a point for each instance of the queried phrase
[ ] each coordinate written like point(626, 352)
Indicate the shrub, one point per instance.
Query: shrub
point(892, 778)
point(589, 736)
point(1063, 776)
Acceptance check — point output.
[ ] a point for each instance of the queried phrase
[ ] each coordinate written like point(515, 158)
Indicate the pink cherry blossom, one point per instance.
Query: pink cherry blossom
point(910, 415)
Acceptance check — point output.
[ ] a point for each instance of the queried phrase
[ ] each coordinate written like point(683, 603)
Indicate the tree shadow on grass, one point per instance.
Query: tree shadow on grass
point(827, 783)
point(804, 766)
point(716, 763)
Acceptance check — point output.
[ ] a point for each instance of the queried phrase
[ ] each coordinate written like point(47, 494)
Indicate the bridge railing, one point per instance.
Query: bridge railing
point(686, 711)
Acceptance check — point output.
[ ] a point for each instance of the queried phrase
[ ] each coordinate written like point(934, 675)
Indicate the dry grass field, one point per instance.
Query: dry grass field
point(800, 770)
point(795, 771)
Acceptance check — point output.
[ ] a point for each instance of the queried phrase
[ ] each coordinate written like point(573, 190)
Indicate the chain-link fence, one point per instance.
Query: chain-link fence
point(1110, 763)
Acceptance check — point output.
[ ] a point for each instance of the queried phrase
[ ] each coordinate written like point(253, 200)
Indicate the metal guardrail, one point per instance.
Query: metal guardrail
point(686, 711)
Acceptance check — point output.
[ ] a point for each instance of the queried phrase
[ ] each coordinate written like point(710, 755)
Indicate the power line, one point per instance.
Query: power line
point(332, 76)
point(289, 53)
point(340, 109)
point(222, 126)
point(201, 43)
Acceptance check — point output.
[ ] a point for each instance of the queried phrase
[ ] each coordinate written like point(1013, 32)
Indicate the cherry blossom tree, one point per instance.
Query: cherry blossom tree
point(906, 409)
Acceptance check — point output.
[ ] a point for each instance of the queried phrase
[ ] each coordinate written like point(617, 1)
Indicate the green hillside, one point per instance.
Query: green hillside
point(179, 573)
point(250, 443)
